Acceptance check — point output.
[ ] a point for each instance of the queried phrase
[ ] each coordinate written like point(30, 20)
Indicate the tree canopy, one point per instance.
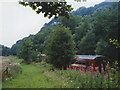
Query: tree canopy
point(50, 8)
point(25, 51)
point(60, 49)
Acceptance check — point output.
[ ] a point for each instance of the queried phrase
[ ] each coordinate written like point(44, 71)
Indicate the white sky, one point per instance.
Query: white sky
point(17, 21)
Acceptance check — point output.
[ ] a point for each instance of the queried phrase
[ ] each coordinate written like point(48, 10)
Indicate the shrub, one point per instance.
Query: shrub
point(13, 70)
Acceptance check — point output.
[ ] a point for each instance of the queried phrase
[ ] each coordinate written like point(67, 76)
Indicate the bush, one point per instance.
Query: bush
point(13, 70)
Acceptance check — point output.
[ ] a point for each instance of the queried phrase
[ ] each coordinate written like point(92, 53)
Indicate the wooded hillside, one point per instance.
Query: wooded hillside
point(91, 30)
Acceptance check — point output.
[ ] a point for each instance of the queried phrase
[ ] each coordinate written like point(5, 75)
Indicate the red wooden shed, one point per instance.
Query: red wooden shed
point(87, 61)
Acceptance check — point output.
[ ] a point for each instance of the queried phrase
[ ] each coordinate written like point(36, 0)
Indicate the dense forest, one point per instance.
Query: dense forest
point(92, 28)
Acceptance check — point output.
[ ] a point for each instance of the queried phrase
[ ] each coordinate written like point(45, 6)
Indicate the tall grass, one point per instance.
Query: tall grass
point(108, 78)
point(44, 75)
point(72, 78)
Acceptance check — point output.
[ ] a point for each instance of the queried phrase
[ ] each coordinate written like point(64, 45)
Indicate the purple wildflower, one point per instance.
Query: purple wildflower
point(106, 76)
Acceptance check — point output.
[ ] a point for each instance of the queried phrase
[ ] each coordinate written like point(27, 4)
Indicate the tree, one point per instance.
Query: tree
point(107, 49)
point(52, 8)
point(106, 27)
point(36, 56)
point(41, 39)
point(87, 44)
point(81, 31)
point(25, 51)
point(14, 49)
point(4, 51)
point(49, 8)
point(72, 22)
point(60, 49)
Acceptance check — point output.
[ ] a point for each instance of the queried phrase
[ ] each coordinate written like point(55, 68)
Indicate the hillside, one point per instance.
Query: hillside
point(87, 24)
point(82, 11)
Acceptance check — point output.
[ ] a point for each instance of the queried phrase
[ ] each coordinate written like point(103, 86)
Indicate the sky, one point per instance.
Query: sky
point(17, 21)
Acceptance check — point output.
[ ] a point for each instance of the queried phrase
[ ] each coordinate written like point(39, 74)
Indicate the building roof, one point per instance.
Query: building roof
point(43, 55)
point(89, 56)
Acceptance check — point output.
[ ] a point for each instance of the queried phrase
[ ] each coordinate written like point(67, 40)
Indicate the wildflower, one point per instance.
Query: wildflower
point(95, 72)
point(102, 69)
point(101, 65)
point(108, 63)
point(92, 67)
point(89, 72)
point(99, 74)
point(106, 68)
point(80, 70)
point(70, 81)
point(6, 79)
point(106, 76)
point(77, 87)
point(93, 77)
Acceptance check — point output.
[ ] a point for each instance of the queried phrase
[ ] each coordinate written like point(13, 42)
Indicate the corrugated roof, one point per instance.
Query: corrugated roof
point(89, 56)
point(43, 55)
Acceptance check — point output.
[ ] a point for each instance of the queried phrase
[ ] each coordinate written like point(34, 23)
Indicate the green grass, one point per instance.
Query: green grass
point(31, 77)
point(15, 59)
point(43, 75)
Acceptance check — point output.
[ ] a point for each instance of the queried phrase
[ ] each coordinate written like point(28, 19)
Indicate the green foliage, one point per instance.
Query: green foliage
point(106, 27)
point(36, 56)
point(50, 8)
point(60, 49)
point(4, 51)
point(87, 44)
point(40, 40)
point(28, 51)
point(115, 42)
point(71, 23)
point(102, 47)
point(14, 70)
point(81, 31)
point(25, 51)
point(15, 59)
point(15, 48)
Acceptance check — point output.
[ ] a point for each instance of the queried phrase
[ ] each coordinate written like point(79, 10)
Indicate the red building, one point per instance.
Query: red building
point(88, 61)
